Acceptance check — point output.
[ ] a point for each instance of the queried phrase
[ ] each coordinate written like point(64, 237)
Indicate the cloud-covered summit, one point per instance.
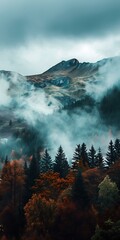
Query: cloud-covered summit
point(83, 107)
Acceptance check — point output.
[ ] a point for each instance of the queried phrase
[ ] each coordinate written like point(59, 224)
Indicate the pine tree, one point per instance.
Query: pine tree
point(92, 157)
point(25, 168)
point(39, 159)
point(76, 157)
point(6, 159)
point(99, 159)
point(46, 163)
point(79, 194)
point(27, 189)
point(33, 170)
point(110, 156)
point(117, 149)
point(6, 170)
point(61, 164)
point(84, 155)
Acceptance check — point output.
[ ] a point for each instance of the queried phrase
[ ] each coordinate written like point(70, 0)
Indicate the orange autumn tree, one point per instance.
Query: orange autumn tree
point(75, 217)
point(50, 185)
point(40, 214)
point(11, 204)
point(12, 182)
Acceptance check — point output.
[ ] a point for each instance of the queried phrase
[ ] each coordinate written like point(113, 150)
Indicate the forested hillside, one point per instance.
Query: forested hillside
point(53, 199)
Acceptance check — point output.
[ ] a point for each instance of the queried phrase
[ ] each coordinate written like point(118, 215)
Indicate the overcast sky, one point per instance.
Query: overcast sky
point(37, 34)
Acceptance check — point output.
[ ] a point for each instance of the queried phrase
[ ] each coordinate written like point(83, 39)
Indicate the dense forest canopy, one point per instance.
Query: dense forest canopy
point(45, 198)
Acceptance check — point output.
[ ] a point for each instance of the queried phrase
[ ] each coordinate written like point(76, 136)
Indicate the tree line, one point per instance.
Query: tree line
point(54, 200)
point(82, 159)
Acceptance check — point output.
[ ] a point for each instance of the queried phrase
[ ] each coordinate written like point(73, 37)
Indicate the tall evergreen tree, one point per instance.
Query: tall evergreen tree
point(46, 163)
point(25, 168)
point(99, 159)
point(27, 189)
point(6, 159)
point(110, 156)
point(33, 170)
point(38, 157)
point(92, 157)
point(117, 149)
point(61, 164)
point(84, 155)
point(79, 194)
point(76, 157)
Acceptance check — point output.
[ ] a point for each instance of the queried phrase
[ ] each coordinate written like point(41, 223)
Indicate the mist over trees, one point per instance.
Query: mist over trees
point(42, 197)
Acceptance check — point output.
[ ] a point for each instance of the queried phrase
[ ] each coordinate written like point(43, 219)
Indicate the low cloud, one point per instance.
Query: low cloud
point(107, 78)
point(41, 111)
point(5, 99)
point(37, 56)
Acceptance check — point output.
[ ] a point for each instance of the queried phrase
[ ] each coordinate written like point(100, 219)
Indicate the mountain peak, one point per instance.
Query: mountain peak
point(64, 65)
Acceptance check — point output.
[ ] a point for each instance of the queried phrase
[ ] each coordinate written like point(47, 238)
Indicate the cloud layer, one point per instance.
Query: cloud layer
point(24, 20)
point(39, 110)
point(35, 35)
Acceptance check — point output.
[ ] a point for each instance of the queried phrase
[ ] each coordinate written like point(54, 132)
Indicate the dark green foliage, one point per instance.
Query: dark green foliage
point(92, 157)
point(27, 187)
point(84, 155)
point(46, 163)
point(108, 107)
point(61, 164)
point(110, 156)
point(110, 231)
point(25, 168)
point(34, 170)
point(77, 153)
point(108, 194)
point(79, 193)
point(86, 103)
point(99, 159)
point(6, 160)
point(117, 149)
point(76, 157)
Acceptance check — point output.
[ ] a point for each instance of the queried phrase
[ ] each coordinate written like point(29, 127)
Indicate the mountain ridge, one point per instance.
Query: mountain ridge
point(75, 64)
point(67, 81)
point(72, 100)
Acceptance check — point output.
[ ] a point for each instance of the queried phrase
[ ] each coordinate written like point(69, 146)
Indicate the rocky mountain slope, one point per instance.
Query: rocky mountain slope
point(68, 99)
point(67, 80)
